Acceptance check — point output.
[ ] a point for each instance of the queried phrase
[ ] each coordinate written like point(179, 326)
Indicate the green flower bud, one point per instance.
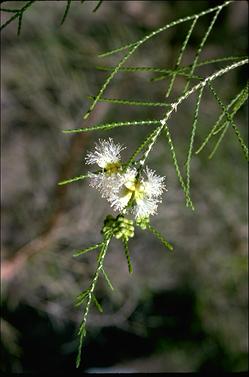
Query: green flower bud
point(118, 235)
point(142, 222)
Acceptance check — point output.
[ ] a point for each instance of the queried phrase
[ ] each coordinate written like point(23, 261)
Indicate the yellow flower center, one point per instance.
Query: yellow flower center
point(112, 168)
point(134, 189)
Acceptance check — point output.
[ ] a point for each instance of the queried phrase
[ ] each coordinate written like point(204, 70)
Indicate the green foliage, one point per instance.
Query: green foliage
point(109, 126)
point(235, 104)
point(78, 178)
point(18, 13)
point(127, 254)
point(117, 227)
point(184, 45)
point(107, 279)
point(203, 41)
point(192, 142)
point(90, 296)
point(230, 120)
point(121, 227)
point(94, 247)
point(132, 102)
point(160, 237)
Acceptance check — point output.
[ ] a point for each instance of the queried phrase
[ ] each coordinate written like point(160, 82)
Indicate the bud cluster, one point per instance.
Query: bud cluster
point(120, 227)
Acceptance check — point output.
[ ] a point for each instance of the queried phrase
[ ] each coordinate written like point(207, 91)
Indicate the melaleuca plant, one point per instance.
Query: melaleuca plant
point(134, 192)
point(131, 187)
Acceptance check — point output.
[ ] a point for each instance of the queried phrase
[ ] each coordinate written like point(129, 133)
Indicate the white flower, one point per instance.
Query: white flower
point(106, 155)
point(124, 189)
point(154, 185)
point(142, 195)
point(146, 204)
point(103, 182)
point(145, 207)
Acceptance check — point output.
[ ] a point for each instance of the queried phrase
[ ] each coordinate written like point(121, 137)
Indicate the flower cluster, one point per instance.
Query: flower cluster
point(126, 189)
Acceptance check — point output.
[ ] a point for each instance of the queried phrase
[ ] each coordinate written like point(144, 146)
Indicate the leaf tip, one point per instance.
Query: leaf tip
point(86, 114)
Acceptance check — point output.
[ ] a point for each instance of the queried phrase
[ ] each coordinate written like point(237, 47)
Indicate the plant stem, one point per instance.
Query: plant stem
point(82, 331)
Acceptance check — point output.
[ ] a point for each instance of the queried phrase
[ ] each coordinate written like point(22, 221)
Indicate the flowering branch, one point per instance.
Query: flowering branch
point(132, 189)
point(130, 193)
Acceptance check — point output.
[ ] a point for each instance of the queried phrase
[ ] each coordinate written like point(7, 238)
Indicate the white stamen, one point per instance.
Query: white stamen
point(106, 152)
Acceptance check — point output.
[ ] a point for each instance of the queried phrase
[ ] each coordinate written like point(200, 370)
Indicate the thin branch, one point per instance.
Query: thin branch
point(136, 46)
point(78, 178)
point(181, 54)
point(82, 330)
point(98, 5)
point(127, 254)
point(66, 11)
point(131, 102)
point(18, 13)
point(235, 128)
point(192, 141)
point(109, 126)
point(94, 247)
point(160, 237)
point(179, 21)
point(203, 41)
point(235, 104)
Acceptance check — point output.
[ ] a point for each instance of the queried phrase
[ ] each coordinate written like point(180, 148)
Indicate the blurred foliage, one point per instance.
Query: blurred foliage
point(178, 312)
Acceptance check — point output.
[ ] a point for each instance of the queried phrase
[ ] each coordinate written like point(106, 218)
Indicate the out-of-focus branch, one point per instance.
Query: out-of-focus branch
point(10, 267)
point(18, 13)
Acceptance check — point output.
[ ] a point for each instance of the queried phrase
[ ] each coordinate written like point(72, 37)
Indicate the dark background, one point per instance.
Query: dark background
point(178, 312)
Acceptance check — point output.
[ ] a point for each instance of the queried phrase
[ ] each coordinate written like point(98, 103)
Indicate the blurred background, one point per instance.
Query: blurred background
point(178, 312)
